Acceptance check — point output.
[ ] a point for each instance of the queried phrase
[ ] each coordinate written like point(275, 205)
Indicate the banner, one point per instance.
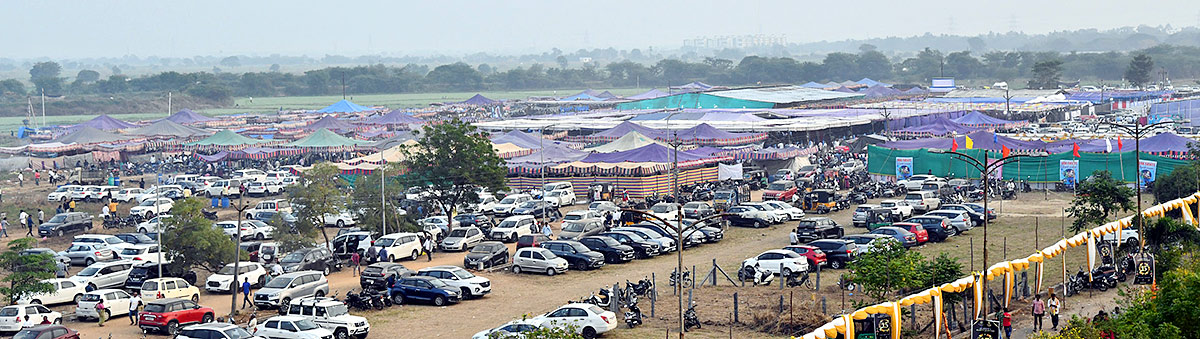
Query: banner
point(726, 172)
point(1147, 172)
point(904, 168)
point(998, 171)
point(1068, 172)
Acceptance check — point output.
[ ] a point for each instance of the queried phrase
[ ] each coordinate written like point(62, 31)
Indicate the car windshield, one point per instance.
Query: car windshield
point(808, 223)
point(305, 325)
point(385, 242)
point(912, 196)
point(860, 240)
point(156, 308)
point(556, 194)
point(458, 233)
point(336, 310)
point(58, 219)
point(777, 187)
point(692, 205)
point(62, 189)
point(462, 274)
point(635, 236)
point(573, 227)
point(887, 204)
point(148, 202)
point(549, 255)
point(608, 241)
point(9, 311)
point(723, 195)
point(438, 283)
point(278, 282)
point(528, 204)
point(507, 224)
point(239, 333)
point(509, 201)
point(595, 205)
point(294, 257)
point(227, 270)
point(228, 225)
point(132, 251)
point(484, 248)
point(87, 272)
point(663, 208)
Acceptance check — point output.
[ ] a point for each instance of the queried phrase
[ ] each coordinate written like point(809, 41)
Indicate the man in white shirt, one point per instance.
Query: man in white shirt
point(133, 307)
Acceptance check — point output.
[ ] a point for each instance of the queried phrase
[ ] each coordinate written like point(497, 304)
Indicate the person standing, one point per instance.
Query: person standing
point(71, 206)
point(101, 312)
point(1038, 309)
point(383, 255)
point(246, 292)
point(20, 179)
point(354, 260)
point(41, 217)
point(23, 218)
point(4, 226)
point(1006, 321)
point(134, 303)
point(428, 248)
point(37, 178)
point(1054, 304)
point(546, 229)
point(371, 254)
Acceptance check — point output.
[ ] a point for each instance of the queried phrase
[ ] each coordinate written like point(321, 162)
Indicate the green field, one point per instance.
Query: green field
point(272, 104)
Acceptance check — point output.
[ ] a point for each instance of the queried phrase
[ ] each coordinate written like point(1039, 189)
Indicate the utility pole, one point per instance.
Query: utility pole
point(237, 256)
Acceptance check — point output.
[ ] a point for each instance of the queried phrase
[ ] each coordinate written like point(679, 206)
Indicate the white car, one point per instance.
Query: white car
point(257, 230)
point(104, 274)
point(485, 204)
point(512, 228)
point(139, 253)
point(258, 188)
point(65, 291)
point(331, 314)
point(62, 193)
point(665, 211)
point(167, 288)
point(512, 329)
point(560, 197)
point(581, 215)
point(900, 207)
point(157, 192)
point(793, 212)
point(116, 302)
point(288, 326)
point(462, 239)
point(778, 215)
point(230, 187)
point(152, 207)
point(98, 193)
point(126, 194)
point(250, 175)
point(17, 317)
point(752, 212)
point(400, 245)
point(271, 205)
point(152, 225)
point(775, 260)
point(216, 330)
point(342, 219)
point(1129, 236)
point(472, 286)
point(587, 319)
point(914, 183)
point(80, 193)
point(112, 241)
point(506, 205)
point(222, 281)
point(279, 175)
point(603, 207)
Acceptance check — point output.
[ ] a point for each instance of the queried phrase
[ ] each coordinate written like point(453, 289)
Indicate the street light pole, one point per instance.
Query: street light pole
point(1137, 131)
point(237, 256)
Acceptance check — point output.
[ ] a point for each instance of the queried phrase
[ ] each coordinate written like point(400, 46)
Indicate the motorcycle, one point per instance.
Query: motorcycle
point(602, 300)
point(755, 275)
point(633, 317)
point(799, 279)
point(640, 288)
point(377, 299)
point(210, 215)
point(689, 318)
point(685, 281)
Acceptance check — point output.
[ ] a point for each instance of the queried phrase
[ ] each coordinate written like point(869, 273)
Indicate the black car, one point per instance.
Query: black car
point(642, 248)
point(538, 208)
point(976, 216)
point(818, 228)
point(935, 225)
point(838, 252)
point(711, 229)
point(613, 251)
point(376, 275)
point(268, 217)
point(486, 254)
point(472, 219)
point(736, 216)
point(423, 289)
point(665, 233)
point(316, 259)
point(578, 256)
point(149, 270)
point(137, 238)
point(978, 208)
point(67, 222)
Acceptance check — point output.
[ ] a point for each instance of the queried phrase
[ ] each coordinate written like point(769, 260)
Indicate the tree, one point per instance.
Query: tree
point(562, 61)
point(231, 61)
point(366, 202)
point(454, 158)
point(1046, 74)
point(873, 64)
point(888, 268)
point(12, 87)
point(45, 77)
point(191, 240)
point(457, 76)
point(274, 68)
point(962, 64)
point(116, 83)
point(320, 195)
point(26, 273)
point(1139, 70)
point(841, 65)
point(1180, 183)
point(87, 76)
point(1097, 198)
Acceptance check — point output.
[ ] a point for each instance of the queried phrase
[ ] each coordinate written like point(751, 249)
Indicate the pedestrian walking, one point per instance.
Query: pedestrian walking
point(383, 255)
point(101, 312)
point(37, 178)
point(546, 229)
point(354, 260)
point(20, 179)
point(1054, 304)
point(4, 227)
point(429, 248)
point(26, 222)
point(134, 304)
point(1038, 309)
point(142, 183)
point(71, 205)
point(246, 292)
point(372, 254)
point(41, 217)
point(1006, 322)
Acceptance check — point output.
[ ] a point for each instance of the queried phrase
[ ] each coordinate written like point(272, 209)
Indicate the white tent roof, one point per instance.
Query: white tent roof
point(626, 142)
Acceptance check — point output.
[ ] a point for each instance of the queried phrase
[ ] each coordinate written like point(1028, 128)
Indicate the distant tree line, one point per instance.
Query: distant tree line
point(1041, 69)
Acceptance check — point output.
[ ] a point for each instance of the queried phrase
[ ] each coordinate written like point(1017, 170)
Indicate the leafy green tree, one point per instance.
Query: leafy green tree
point(873, 64)
point(457, 76)
point(841, 65)
point(45, 76)
point(1180, 183)
point(1097, 198)
point(87, 76)
point(231, 61)
point(1139, 70)
point(1046, 74)
point(888, 269)
point(366, 202)
point(214, 93)
point(320, 195)
point(962, 65)
point(116, 83)
point(12, 87)
point(192, 240)
point(25, 272)
point(454, 158)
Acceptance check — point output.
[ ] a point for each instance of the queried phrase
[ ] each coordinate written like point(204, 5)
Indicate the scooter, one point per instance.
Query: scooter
point(685, 281)
point(633, 317)
point(755, 275)
point(799, 279)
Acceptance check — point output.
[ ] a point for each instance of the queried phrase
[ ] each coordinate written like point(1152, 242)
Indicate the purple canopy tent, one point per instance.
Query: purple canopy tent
point(526, 140)
point(937, 127)
point(105, 123)
point(187, 116)
point(654, 153)
point(478, 100)
point(871, 83)
point(980, 120)
point(619, 131)
point(651, 94)
point(811, 84)
point(582, 97)
point(395, 117)
point(550, 155)
point(916, 91)
point(880, 92)
point(705, 134)
point(331, 123)
point(345, 106)
point(844, 89)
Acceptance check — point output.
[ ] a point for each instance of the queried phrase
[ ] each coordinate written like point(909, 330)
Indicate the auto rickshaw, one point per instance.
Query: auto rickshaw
point(821, 201)
point(880, 217)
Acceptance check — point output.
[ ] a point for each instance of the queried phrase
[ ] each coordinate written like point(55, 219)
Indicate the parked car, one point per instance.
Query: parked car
point(859, 218)
point(559, 198)
point(65, 291)
point(937, 227)
point(512, 329)
point(586, 319)
point(423, 289)
point(165, 288)
point(775, 215)
point(866, 242)
point(814, 256)
point(126, 194)
point(690, 239)
point(711, 229)
point(341, 219)
point(215, 331)
point(223, 282)
point(376, 275)
point(603, 207)
point(582, 215)
point(258, 230)
point(976, 217)
point(153, 225)
point(61, 261)
point(818, 228)
point(462, 239)
point(915, 229)
point(168, 315)
point(698, 210)
point(578, 256)
point(116, 303)
point(839, 252)
point(899, 207)
point(923, 201)
point(52, 331)
point(506, 206)
point(271, 205)
point(978, 208)
point(914, 182)
point(18, 317)
point(140, 253)
point(347, 244)
point(316, 258)
point(400, 245)
point(66, 222)
point(513, 227)
point(784, 190)
point(778, 261)
point(906, 238)
point(144, 271)
point(792, 212)
point(136, 238)
point(152, 207)
point(745, 215)
point(538, 209)
point(483, 222)
point(574, 230)
point(286, 326)
point(642, 248)
point(613, 251)
point(331, 314)
point(62, 193)
point(88, 253)
point(959, 220)
point(537, 259)
point(269, 217)
point(470, 285)
point(666, 244)
point(486, 254)
point(281, 290)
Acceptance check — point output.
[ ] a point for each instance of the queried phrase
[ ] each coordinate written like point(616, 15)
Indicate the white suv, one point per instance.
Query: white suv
point(506, 205)
point(331, 314)
point(773, 260)
point(222, 281)
point(512, 228)
point(587, 319)
point(399, 245)
point(272, 205)
point(62, 193)
point(148, 209)
point(472, 286)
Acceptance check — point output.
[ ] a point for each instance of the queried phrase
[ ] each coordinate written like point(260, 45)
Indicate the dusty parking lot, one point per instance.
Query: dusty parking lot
point(526, 294)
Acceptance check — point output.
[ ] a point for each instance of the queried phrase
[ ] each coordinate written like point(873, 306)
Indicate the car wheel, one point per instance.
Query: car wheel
point(840, 234)
point(325, 270)
point(262, 280)
point(759, 224)
point(516, 269)
point(89, 262)
point(550, 272)
point(952, 231)
point(341, 334)
point(415, 254)
point(785, 273)
point(398, 299)
point(589, 333)
point(208, 318)
point(173, 328)
point(466, 292)
point(836, 264)
point(58, 321)
point(320, 294)
point(512, 238)
point(60, 233)
point(439, 301)
point(196, 298)
point(249, 216)
point(76, 299)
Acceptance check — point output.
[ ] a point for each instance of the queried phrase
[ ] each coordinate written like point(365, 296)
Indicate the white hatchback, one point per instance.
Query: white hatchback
point(587, 319)
point(17, 317)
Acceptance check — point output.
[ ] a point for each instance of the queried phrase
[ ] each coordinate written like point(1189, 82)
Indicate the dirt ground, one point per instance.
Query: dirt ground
point(1010, 236)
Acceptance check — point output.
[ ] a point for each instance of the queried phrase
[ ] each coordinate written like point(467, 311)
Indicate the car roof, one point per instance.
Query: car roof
point(775, 251)
point(296, 274)
point(393, 235)
point(210, 326)
point(442, 267)
point(420, 277)
point(286, 318)
point(166, 301)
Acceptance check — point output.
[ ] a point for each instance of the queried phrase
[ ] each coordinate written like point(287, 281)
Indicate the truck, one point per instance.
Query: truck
point(725, 198)
point(86, 176)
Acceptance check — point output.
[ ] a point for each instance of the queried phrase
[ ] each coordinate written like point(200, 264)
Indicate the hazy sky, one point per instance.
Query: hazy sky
point(68, 29)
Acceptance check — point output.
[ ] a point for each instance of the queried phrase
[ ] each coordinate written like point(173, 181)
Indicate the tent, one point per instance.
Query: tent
point(978, 119)
point(187, 116)
point(811, 84)
point(170, 129)
point(330, 122)
point(619, 131)
point(937, 127)
point(880, 92)
point(549, 155)
point(323, 138)
point(871, 83)
point(693, 87)
point(509, 150)
point(651, 94)
point(582, 97)
point(844, 89)
point(916, 91)
point(392, 141)
point(479, 100)
point(630, 141)
point(227, 139)
point(105, 123)
point(90, 135)
point(389, 155)
point(607, 95)
point(705, 134)
point(344, 106)
point(527, 140)
point(1164, 143)
point(654, 153)
point(395, 117)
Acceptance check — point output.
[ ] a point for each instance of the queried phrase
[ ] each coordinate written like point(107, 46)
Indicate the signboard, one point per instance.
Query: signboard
point(1068, 172)
point(1147, 172)
point(1105, 250)
point(904, 168)
point(942, 85)
point(998, 171)
point(985, 329)
point(1143, 269)
point(873, 327)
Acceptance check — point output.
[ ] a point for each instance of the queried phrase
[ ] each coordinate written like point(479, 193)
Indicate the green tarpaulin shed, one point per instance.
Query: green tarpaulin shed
point(1123, 166)
point(227, 138)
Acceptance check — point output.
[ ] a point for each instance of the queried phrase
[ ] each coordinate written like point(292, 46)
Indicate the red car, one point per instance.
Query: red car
point(47, 332)
point(815, 256)
point(782, 190)
point(922, 234)
point(169, 315)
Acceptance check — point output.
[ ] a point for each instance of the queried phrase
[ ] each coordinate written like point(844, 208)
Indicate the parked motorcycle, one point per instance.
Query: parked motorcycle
point(685, 281)
point(799, 279)
point(640, 288)
point(689, 318)
point(633, 317)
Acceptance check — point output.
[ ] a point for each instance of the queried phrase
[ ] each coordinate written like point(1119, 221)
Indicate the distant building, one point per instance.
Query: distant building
point(736, 41)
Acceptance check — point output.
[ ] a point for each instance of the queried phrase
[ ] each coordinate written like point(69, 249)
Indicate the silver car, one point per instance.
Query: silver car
point(279, 291)
point(958, 219)
point(87, 254)
point(537, 259)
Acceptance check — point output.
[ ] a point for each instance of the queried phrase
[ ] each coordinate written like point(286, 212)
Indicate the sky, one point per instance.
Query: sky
point(76, 29)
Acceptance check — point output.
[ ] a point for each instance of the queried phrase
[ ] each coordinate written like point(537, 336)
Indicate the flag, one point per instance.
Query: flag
point(954, 145)
point(1119, 144)
point(1075, 149)
point(969, 142)
point(1004, 151)
point(1108, 145)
